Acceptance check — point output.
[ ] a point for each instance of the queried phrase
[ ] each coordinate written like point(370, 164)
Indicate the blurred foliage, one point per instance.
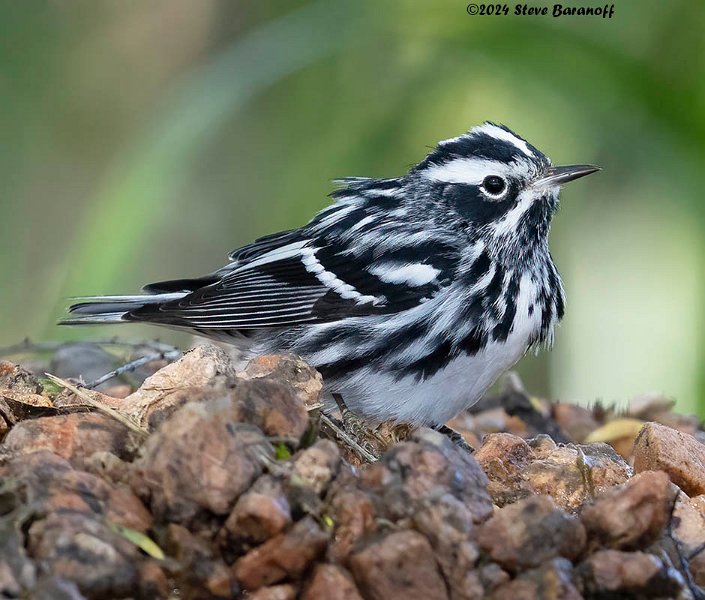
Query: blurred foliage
point(143, 139)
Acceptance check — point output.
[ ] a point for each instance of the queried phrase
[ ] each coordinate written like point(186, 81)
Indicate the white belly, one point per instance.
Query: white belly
point(457, 386)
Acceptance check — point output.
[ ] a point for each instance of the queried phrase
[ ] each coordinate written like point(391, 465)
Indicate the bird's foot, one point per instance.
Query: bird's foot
point(456, 437)
point(354, 432)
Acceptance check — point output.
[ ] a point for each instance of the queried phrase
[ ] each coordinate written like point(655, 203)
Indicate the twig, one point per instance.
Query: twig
point(126, 421)
point(170, 355)
point(697, 550)
point(347, 439)
point(27, 345)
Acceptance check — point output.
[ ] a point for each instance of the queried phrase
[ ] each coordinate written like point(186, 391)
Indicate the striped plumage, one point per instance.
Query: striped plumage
point(410, 295)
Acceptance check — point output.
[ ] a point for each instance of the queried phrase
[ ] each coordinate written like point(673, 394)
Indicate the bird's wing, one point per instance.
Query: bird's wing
point(289, 279)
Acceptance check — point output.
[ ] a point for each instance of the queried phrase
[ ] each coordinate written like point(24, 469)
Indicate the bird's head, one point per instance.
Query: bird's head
point(497, 185)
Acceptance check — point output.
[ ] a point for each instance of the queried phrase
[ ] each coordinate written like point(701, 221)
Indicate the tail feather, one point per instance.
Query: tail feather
point(112, 309)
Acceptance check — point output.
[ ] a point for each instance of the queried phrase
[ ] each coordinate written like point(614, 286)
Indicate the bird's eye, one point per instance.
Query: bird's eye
point(494, 185)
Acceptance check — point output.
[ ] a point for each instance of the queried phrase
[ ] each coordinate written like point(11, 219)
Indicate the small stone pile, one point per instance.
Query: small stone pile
point(211, 483)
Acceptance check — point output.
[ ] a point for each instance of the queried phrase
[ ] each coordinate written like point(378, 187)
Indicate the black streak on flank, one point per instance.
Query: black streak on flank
point(377, 356)
point(473, 342)
point(504, 327)
point(546, 317)
point(428, 365)
point(481, 266)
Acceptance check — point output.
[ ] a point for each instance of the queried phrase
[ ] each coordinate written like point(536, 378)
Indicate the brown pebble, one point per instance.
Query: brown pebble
point(448, 525)
point(688, 527)
point(577, 421)
point(331, 582)
point(553, 580)
point(153, 582)
point(85, 551)
point(632, 515)
point(74, 437)
point(411, 473)
point(636, 573)
point(569, 474)
point(660, 448)
point(285, 591)
point(260, 513)
point(200, 459)
point(291, 370)
point(287, 555)
point(353, 513)
point(18, 379)
point(399, 565)
point(529, 532)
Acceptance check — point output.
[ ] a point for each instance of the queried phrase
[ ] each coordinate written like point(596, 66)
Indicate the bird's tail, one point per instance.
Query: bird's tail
point(94, 310)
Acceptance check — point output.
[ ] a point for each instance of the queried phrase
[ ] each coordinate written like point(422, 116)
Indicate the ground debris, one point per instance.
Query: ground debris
point(229, 490)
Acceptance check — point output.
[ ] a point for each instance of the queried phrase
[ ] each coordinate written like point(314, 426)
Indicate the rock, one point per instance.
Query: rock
point(523, 535)
point(504, 458)
point(18, 573)
point(634, 573)
point(315, 467)
point(126, 509)
point(331, 582)
point(570, 474)
point(50, 587)
point(259, 514)
point(17, 406)
point(285, 591)
point(573, 474)
point(152, 581)
point(577, 421)
point(632, 515)
point(205, 366)
point(205, 374)
point(286, 556)
point(688, 527)
point(201, 459)
point(648, 406)
point(354, 515)
point(48, 483)
point(74, 437)
point(107, 466)
point(200, 568)
point(9, 586)
point(291, 370)
point(492, 576)
point(18, 380)
point(689, 424)
point(553, 580)
point(272, 406)
point(116, 390)
point(399, 565)
point(85, 551)
point(660, 448)
point(20, 397)
point(448, 525)
point(412, 472)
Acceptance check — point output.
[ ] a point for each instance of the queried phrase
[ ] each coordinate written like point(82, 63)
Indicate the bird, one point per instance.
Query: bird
point(410, 295)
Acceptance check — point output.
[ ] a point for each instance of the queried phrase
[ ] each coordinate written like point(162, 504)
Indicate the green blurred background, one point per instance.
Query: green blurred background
point(144, 139)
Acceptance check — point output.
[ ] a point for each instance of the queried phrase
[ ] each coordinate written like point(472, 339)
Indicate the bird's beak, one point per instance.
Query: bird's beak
point(561, 175)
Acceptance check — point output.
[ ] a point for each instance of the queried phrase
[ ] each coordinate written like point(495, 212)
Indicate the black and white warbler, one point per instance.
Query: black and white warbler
point(410, 295)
